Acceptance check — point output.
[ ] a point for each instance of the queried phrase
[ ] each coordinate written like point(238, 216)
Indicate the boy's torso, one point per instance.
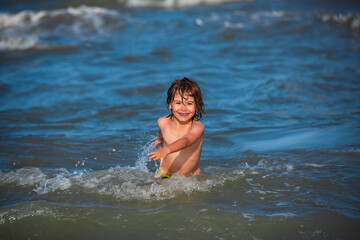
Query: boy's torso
point(185, 161)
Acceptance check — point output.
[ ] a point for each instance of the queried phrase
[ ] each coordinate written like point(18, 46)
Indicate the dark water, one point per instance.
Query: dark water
point(82, 84)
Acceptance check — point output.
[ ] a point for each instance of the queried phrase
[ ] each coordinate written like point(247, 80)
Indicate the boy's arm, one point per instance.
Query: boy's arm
point(195, 133)
point(159, 140)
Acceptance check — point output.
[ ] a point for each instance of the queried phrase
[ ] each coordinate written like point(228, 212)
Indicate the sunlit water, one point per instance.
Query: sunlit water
point(82, 85)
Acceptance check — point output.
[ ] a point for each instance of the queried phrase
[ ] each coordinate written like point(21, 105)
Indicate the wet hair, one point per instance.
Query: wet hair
point(190, 87)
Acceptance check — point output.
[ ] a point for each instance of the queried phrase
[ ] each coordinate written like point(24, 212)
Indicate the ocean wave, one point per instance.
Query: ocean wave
point(121, 183)
point(32, 18)
point(240, 20)
point(172, 3)
point(270, 14)
point(28, 43)
point(15, 43)
point(350, 20)
point(23, 30)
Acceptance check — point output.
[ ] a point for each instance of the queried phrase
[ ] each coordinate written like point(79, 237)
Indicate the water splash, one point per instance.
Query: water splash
point(143, 159)
point(120, 183)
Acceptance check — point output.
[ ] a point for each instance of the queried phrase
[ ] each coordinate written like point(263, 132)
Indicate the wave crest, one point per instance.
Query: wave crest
point(23, 30)
point(121, 183)
point(16, 43)
point(28, 17)
point(172, 3)
point(351, 20)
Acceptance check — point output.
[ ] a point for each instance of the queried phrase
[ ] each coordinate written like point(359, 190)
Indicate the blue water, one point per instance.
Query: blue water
point(83, 83)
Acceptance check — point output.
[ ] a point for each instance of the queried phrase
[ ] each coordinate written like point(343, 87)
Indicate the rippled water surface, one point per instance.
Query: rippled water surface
point(82, 84)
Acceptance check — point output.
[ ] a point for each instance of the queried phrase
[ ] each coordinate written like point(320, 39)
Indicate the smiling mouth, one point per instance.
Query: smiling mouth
point(184, 114)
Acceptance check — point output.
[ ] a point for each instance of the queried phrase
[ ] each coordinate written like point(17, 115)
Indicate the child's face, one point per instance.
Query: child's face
point(183, 109)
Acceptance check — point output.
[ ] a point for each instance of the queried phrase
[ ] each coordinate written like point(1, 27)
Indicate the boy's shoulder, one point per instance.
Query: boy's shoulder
point(199, 125)
point(163, 120)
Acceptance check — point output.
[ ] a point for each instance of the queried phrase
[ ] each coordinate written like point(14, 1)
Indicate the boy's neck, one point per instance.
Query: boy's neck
point(182, 125)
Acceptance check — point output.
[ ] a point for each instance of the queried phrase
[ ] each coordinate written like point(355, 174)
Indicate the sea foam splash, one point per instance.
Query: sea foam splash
point(122, 183)
point(143, 159)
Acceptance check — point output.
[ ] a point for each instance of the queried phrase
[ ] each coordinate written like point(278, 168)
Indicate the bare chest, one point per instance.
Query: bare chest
point(172, 135)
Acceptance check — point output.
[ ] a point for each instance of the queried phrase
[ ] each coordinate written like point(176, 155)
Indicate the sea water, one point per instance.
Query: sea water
point(82, 84)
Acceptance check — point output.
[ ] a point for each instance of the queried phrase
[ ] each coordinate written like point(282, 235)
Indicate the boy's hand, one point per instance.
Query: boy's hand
point(157, 143)
point(160, 153)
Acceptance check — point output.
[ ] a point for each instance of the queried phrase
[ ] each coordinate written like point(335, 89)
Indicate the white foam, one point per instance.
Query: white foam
point(59, 182)
point(28, 18)
point(248, 216)
point(172, 3)
point(285, 215)
point(264, 16)
point(251, 217)
point(351, 20)
point(178, 184)
point(26, 211)
point(346, 150)
point(275, 14)
point(289, 167)
point(281, 203)
point(18, 43)
point(314, 165)
point(2, 216)
point(23, 176)
point(43, 183)
point(122, 183)
point(22, 30)
point(25, 17)
point(238, 25)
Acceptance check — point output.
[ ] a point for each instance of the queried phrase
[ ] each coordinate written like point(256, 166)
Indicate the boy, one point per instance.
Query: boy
point(181, 134)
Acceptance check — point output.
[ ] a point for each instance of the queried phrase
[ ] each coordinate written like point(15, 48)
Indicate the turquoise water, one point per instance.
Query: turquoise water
point(82, 84)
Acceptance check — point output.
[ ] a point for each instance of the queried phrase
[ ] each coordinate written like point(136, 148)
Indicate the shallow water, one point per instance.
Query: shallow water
point(83, 83)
